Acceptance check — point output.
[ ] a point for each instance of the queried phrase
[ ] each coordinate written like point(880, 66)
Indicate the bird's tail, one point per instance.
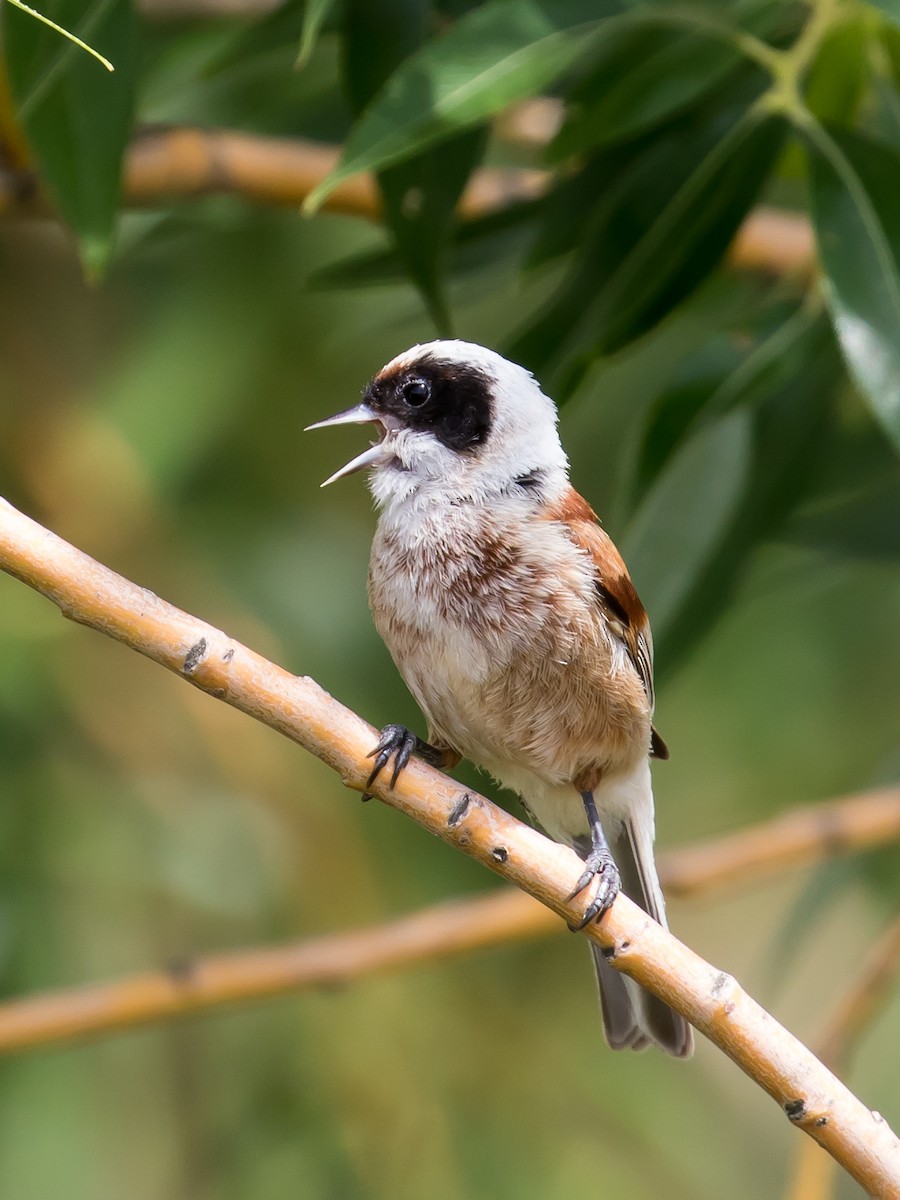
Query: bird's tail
point(633, 1017)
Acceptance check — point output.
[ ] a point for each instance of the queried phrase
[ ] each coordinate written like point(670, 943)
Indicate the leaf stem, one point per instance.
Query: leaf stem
point(788, 67)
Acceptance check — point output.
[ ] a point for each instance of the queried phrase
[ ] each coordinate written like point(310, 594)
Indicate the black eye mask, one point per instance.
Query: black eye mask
point(452, 401)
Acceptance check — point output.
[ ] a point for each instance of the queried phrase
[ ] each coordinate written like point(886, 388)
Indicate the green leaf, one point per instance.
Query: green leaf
point(665, 59)
point(661, 220)
point(884, 111)
point(420, 194)
point(240, 74)
point(476, 246)
point(840, 75)
point(854, 184)
point(378, 35)
point(644, 76)
point(500, 52)
point(860, 525)
point(890, 8)
point(420, 198)
point(76, 116)
point(315, 13)
point(725, 379)
point(788, 437)
point(685, 517)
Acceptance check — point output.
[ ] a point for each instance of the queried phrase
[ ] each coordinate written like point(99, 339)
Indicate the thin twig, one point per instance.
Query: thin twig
point(430, 934)
point(811, 1097)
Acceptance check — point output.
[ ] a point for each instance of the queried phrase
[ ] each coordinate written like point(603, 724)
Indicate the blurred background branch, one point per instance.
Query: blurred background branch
point(864, 1001)
point(170, 165)
point(811, 1097)
point(813, 834)
point(177, 164)
point(798, 838)
point(325, 962)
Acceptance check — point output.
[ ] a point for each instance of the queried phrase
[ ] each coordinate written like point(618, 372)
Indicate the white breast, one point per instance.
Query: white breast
point(490, 615)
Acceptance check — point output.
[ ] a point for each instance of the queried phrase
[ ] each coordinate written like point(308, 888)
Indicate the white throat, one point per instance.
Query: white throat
point(522, 442)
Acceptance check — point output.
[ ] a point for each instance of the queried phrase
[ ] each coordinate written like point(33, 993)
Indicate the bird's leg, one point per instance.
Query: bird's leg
point(400, 743)
point(599, 864)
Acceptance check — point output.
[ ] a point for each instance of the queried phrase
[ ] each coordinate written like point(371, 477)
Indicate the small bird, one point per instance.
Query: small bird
point(513, 621)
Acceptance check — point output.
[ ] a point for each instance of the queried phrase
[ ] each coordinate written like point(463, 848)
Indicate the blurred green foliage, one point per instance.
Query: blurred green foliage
point(738, 433)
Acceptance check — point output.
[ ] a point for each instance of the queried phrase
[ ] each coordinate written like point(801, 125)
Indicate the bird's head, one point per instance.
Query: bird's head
point(456, 417)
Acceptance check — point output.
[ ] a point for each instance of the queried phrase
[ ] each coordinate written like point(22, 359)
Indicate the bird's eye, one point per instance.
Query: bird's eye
point(416, 392)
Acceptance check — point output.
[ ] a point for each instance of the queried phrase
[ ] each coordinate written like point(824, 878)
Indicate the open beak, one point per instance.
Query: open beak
point(360, 414)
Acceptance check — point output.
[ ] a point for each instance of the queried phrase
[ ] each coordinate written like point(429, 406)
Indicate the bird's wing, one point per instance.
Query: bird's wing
point(616, 595)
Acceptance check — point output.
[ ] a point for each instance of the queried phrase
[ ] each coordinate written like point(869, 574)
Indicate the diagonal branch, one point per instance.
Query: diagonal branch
point(810, 834)
point(869, 992)
point(811, 1097)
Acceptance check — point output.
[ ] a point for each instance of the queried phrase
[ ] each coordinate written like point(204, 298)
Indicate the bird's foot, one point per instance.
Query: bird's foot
point(401, 744)
point(397, 742)
point(598, 865)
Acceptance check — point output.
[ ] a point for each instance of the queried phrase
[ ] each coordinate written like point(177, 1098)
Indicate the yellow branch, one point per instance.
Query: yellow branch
point(813, 1174)
point(166, 165)
point(794, 839)
point(218, 980)
point(807, 1092)
point(809, 835)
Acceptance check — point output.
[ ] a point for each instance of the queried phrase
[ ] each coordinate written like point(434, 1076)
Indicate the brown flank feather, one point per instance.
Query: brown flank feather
point(616, 593)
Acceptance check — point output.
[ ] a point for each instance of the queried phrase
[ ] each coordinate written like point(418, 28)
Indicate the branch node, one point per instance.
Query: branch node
point(180, 970)
point(722, 982)
point(795, 1110)
point(459, 810)
point(500, 854)
point(195, 656)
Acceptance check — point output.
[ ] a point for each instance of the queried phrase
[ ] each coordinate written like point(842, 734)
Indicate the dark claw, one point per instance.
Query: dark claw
point(601, 867)
point(395, 742)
